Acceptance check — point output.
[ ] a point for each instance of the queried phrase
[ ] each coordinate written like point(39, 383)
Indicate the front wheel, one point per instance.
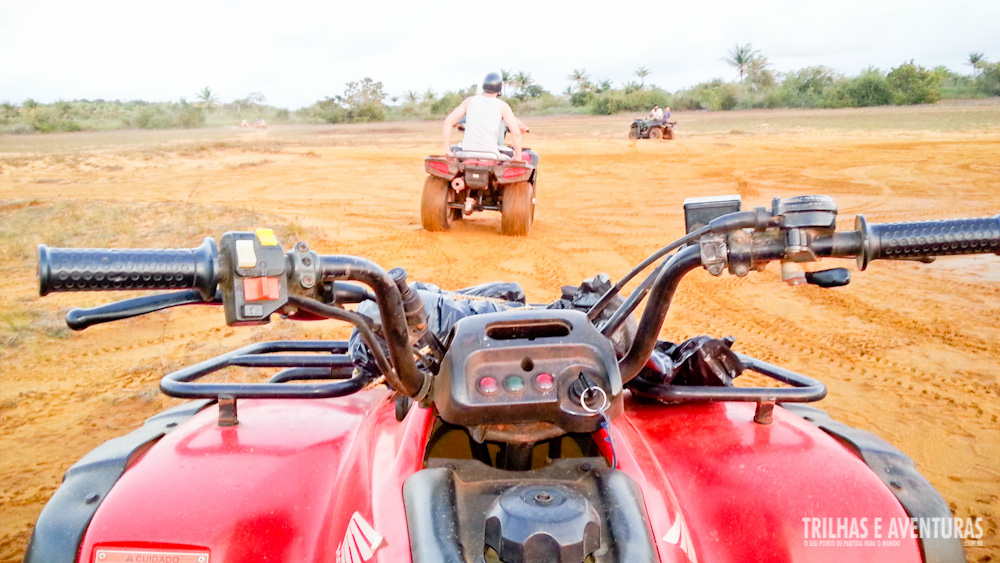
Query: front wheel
point(517, 209)
point(668, 134)
point(434, 212)
point(655, 133)
point(633, 132)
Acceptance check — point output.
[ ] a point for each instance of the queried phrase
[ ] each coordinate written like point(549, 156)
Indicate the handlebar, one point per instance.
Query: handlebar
point(927, 238)
point(67, 269)
point(753, 238)
point(915, 240)
point(91, 269)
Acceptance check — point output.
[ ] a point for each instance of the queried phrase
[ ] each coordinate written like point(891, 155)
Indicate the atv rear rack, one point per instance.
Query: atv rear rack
point(302, 364)
point(803, 389)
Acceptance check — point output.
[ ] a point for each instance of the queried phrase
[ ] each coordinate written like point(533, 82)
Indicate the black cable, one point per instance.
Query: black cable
point(595, 311)
point(364, 328)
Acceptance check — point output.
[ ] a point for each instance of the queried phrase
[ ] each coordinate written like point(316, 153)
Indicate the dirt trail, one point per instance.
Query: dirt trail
point(909, 352)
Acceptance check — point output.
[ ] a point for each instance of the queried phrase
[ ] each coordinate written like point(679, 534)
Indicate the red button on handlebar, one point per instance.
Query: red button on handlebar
point(261, 289)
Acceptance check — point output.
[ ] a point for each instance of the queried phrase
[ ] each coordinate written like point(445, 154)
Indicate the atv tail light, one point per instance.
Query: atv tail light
point(439, 166)
point(514, 172)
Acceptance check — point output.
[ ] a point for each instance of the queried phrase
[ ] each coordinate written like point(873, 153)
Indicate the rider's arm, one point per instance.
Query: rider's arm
point(515, 128)
point(451, 121)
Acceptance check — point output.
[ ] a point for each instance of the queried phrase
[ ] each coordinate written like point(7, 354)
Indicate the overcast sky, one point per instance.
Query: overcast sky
point(296, 52)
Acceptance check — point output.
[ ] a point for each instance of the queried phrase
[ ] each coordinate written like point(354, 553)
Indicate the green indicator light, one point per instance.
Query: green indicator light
point(514, 383)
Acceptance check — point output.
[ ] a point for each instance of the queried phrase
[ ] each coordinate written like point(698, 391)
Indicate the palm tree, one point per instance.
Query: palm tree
point(207, 98)
point(642, 72)
point(579, 75)
point(523, 81)
point(411, 96)
point(741, 56)
point(976, 60)
point(429, 95)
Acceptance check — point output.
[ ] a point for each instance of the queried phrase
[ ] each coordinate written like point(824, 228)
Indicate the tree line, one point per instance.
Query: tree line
point(756, 85)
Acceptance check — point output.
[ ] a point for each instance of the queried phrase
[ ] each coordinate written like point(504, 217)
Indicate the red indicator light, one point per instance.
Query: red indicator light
point(488, 386)
point(544, 382)
point(514, 172)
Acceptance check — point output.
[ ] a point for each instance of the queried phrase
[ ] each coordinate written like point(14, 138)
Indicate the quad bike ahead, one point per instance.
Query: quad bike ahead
point(470, 426)
point(460, 185)
point(650, 129)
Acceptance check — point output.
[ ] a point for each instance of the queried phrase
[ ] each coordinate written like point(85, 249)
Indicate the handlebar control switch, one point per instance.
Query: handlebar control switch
point(714, 254)
point(253, 279)
point(803, 217)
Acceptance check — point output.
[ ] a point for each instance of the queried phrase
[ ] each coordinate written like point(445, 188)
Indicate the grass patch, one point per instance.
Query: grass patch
point(20, 324)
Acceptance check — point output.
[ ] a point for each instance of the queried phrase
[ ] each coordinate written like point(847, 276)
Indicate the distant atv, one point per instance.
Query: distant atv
point(470, 181)
point(649, 129)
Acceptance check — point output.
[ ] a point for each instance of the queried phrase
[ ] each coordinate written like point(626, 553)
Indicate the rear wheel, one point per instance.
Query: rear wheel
point(633, 133)
point(517, 209)
point(655, 133)
point(434, 212)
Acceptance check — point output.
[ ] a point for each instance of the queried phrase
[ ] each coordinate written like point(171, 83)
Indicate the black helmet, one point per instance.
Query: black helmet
point(493, 83)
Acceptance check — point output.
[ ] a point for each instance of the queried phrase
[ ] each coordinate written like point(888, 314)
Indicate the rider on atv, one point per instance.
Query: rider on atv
point(483, 117)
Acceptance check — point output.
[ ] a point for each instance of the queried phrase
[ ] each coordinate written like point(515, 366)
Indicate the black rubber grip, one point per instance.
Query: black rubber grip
point(928, 238)
point(94, 269)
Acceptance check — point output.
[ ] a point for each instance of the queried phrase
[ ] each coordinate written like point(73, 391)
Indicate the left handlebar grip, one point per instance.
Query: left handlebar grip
point(95, 269)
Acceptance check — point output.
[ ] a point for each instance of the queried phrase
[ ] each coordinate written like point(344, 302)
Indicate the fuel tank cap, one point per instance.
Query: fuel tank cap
point(548, 523)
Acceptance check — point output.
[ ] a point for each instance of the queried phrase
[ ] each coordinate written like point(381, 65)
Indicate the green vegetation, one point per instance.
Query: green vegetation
point(758, 86)
point(362, 101)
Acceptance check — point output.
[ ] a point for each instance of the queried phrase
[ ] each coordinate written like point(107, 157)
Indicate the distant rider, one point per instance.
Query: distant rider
point(485, 117)
point(656, 116)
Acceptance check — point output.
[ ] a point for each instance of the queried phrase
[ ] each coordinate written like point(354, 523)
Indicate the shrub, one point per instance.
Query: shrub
point(47, 120)
point(988, 81)
point(869, 89)
point(189, 117)
point(808, 87)
point(581, 98)
point(912, 84)
point(447, 102)
point(617, 101)
point(150, 117)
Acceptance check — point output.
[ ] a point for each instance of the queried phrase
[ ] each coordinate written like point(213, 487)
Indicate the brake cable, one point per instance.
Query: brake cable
point(598, 307)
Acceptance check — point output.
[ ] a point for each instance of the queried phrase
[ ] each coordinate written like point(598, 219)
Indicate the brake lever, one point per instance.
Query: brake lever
point(80, 318)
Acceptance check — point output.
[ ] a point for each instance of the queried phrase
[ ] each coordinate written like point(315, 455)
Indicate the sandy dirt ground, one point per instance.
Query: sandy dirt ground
point(910, 352)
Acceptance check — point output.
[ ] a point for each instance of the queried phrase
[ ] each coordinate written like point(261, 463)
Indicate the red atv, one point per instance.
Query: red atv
point(450, 429)
point(468, 182)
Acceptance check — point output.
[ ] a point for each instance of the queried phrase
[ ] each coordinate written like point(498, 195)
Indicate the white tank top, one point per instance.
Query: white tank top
point(482, 124)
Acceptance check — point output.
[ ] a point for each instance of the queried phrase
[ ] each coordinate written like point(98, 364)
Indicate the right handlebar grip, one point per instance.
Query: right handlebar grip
point(927, 238)
point(92, 269)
